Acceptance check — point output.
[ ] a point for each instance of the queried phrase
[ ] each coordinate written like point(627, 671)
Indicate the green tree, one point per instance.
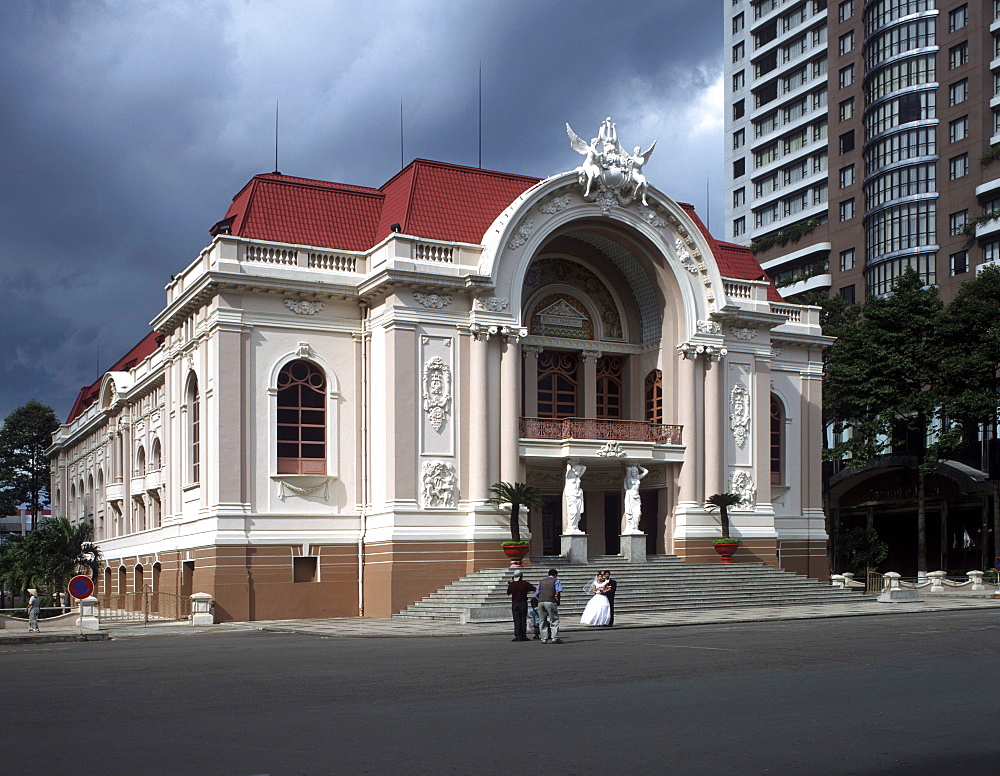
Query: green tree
point(723, 501)
point(863, 549)
point(968, 384)
point(517, 494)
point(49, 556)
point(880, 384)
point(24, 468)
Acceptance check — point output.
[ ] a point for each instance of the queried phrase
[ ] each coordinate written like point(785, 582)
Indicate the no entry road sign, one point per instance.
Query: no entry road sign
point(81, 587)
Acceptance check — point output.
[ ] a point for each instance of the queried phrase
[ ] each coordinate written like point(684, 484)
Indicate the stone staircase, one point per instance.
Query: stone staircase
point(664, 583)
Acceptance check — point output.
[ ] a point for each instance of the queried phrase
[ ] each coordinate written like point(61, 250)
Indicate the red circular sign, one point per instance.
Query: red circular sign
point(81, 587)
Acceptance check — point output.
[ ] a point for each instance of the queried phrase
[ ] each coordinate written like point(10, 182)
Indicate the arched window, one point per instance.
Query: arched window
point(557, 385)
point(140, 462)
point(777, 441)
point(194, 430)
point(301, 419)
point(654, 396)
point(156, 456)
point(609, 387)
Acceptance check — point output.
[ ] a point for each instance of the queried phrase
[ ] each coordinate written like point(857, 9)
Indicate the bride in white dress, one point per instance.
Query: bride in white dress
point(598, 609)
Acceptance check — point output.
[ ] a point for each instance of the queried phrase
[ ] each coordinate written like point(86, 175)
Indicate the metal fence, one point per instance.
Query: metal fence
point(875, 583)
point(143, 606)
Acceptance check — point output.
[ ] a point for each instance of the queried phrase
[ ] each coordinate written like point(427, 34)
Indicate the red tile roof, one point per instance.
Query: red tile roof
point(89, 393)
point(735, 261)
point(427, 199)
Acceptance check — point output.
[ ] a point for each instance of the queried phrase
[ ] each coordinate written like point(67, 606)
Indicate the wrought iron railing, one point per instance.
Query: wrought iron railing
point(143, 606)
point(605, 430)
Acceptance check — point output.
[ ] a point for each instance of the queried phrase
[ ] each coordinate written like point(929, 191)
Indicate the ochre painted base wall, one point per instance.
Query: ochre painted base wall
point(750, 551)
point(398, 574)
point(806, 558)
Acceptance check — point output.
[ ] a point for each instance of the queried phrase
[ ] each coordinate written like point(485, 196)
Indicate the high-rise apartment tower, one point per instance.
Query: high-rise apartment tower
point(860, 139)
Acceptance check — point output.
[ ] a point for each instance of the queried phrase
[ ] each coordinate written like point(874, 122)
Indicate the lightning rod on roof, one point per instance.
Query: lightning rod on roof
point(480, 114)
point(401, 134)
point(276, 138)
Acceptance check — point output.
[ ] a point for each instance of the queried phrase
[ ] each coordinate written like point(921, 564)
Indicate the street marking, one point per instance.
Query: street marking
point(677, 646)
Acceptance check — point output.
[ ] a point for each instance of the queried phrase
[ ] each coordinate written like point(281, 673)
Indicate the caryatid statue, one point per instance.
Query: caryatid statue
point(633, 504)
point(573, 496)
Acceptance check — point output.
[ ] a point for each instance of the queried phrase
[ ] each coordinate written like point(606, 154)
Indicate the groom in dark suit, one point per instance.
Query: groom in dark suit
point(613, 584)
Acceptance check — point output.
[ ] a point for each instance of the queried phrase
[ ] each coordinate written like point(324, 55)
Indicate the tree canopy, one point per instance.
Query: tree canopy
point(48, 556)
point(24, 469)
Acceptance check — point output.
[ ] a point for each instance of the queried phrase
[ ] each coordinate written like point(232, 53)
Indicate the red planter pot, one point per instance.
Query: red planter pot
point(726, 551)
point(516, 553)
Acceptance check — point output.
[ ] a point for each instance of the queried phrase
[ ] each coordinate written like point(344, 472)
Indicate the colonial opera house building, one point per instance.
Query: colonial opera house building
point(313, 424)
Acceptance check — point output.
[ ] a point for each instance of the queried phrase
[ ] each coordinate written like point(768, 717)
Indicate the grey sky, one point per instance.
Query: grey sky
point(127, 126)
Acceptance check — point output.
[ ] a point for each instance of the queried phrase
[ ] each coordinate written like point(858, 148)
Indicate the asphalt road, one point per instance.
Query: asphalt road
point(910, 694)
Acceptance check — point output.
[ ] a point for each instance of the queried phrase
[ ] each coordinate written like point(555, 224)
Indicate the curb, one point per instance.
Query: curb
point(55, 638)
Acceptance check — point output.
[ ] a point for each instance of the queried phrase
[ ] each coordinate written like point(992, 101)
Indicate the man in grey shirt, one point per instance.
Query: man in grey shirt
point(548, 593)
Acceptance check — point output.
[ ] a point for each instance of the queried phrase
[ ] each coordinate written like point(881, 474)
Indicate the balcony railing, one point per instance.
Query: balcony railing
point(607, 430)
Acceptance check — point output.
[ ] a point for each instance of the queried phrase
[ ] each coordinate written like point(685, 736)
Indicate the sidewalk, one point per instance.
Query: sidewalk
point(390, 627)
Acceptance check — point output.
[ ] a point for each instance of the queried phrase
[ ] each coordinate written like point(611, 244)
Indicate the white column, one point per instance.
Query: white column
point(588, 384)
point(714, 458)
point(688, 414)
point(510, 410)
point(478, 420)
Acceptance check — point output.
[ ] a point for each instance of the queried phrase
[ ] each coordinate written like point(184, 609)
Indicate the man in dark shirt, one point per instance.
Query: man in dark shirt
point(519, 590)
point(613, 586)
point(549, 593)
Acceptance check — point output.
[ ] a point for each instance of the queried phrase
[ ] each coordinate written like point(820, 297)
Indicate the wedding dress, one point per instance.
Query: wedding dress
point(598, 609)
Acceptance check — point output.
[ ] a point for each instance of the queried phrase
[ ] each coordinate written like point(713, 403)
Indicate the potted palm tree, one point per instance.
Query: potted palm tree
point(517, 494)
point(727, 545)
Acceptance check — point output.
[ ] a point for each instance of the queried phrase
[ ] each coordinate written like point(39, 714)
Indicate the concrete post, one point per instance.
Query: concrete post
point(201, 609)
point(89, 619)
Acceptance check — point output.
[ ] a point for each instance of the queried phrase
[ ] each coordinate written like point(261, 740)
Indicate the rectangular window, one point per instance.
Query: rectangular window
point(305, 568)
point(739, 80)
point(738, 51)
point(847, 260)
point(846, 10)
point(739, 226)
point(957, 222)
point(739, 109)
point(820, 194)
point(846, 176)
point(959, 263)
point(958, 92)
point(958, 55)
point(991, 252)
point(847, 42)
point(739, 168)
point(739, 138)
point(847, 209)
point(846, 76)
point(847, 109)
point(739, 197)
point(737, 23)
point(847, 142)
point(958, 129)
point(958, 18)
point(766, 94)
point(958, 166)
point(847, 294)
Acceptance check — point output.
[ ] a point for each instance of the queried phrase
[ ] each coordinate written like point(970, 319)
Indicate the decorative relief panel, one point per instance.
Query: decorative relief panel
point(492, 303)
point(745, 333)
point(709, 327)
point(436, 301)
point(555, 204)
point(612, 450)
point(739, 413)
point(741, 483)
point(438, 480)
point(550, 271)
point(437, 392)
point(303, 307)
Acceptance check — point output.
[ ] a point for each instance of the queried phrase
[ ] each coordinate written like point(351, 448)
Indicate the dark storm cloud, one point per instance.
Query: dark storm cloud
point(127, 127)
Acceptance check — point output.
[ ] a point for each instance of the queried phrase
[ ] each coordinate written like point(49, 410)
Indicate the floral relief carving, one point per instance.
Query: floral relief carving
point(438, 480)
point(709, 327)
point(555, 204)
point(436, 301)
point(741, 483)
point(744, 333)
point(651, 217)
point(522, 234)
point(739, 413)
point(492, 303)
point(612, 450)
point(684, 256)
point(303, 307)
point(437, 392)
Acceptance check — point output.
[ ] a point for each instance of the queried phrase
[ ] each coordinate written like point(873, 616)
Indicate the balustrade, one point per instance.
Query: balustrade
point(594, 428)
